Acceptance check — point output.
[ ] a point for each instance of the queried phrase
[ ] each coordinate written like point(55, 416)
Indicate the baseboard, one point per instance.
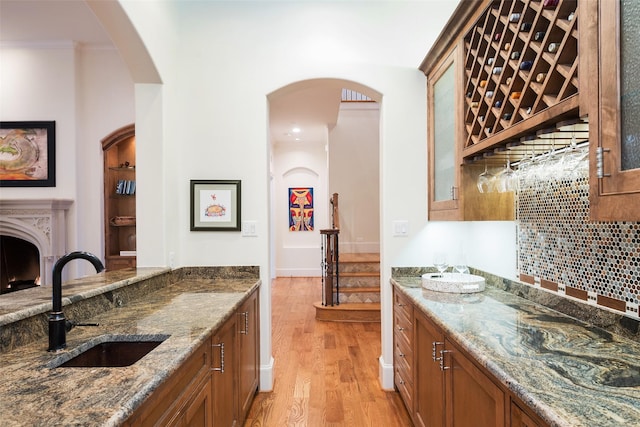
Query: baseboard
point(266, 376)
point(386, 375)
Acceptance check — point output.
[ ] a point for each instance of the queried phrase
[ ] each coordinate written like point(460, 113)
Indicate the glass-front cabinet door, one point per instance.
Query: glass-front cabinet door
point(443, 112)
point(615, 172)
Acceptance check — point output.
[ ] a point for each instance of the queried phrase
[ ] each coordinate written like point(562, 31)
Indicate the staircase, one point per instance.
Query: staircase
point(359, 290)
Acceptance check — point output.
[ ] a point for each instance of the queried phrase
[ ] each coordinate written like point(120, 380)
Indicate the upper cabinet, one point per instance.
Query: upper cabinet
point(615, 159)
point(509, 80)
point(119, 152)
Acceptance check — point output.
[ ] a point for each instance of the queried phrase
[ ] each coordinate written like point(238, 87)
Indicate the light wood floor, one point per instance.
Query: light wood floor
point(325, 373)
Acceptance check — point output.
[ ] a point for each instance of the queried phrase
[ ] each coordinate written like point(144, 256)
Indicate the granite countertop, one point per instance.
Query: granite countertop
point(185, 312)
point(568, 372)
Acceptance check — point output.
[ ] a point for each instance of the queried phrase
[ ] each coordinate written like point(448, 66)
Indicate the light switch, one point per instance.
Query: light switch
point(249, 228)
point(401, 228)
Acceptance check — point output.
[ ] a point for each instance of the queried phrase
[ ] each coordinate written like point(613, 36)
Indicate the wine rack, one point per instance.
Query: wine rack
point(520, 60)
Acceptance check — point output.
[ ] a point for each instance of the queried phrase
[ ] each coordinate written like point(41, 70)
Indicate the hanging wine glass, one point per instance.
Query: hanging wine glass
point(506, 180)
point(486, 180)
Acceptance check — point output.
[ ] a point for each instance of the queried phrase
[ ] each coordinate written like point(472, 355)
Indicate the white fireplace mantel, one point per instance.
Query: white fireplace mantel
point(42, 222)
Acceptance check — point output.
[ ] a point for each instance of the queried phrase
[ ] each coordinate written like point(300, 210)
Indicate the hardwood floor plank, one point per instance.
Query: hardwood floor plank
point(325, 373)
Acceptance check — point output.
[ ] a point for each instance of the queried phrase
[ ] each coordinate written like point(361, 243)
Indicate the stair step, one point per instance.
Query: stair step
point(359, 274)
point(348, 312)
point(363, 289)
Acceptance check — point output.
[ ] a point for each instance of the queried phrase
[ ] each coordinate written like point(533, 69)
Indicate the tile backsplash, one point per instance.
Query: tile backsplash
point(561, 250)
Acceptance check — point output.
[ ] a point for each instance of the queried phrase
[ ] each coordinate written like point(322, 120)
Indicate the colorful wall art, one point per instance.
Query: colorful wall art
point(301, 209)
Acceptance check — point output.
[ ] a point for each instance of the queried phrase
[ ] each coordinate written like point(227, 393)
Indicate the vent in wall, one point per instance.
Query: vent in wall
point(349, 95)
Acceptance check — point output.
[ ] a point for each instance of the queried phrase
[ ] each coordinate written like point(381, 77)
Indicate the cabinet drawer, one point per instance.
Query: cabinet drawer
point(403, 352)
point(402, 329)
point(402, 306)
point(404, 384)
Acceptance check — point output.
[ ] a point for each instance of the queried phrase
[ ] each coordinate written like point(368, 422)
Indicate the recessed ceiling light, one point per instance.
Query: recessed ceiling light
point(296, 130)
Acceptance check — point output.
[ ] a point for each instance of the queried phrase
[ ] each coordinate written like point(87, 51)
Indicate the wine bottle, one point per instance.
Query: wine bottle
point(553, 47)
point(496, 70)
point(538, 36)
point(526, 65)
point(506, 116)
point(515, 17)
point(525, 27)
point(516, 95)
point(515, 55)
point(497, 36)
point(550, 4)
point(540, 77)
point(483, 83)
point(498, 104)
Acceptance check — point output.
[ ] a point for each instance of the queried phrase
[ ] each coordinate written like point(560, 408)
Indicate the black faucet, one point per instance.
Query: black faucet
point(58, 325)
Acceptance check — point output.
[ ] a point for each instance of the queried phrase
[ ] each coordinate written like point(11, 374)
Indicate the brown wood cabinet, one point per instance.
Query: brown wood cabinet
point(248, 335)
point(119, 155)
point(215, 387)
point(429, 377)
point(403, 348)
point(449, 387)
point(523, 70)
point(182, 399)
point(223, 375)
point(615, 162)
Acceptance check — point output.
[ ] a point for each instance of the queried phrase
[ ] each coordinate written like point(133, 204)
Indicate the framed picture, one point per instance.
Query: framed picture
point(27, 154)
point(301, 209)
point(215, 205)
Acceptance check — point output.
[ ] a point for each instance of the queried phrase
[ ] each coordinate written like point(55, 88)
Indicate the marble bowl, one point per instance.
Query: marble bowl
point(456, 283)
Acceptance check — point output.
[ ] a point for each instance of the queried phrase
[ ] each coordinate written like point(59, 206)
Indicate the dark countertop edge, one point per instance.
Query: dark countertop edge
point(540, 408)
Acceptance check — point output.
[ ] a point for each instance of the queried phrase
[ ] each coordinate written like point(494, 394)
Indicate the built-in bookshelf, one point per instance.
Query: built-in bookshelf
point(119, 198)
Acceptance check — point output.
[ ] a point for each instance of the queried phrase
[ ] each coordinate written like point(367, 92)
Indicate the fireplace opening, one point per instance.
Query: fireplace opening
point(19, 264)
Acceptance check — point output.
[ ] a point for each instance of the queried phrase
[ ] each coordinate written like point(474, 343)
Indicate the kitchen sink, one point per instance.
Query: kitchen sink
point(110, 353)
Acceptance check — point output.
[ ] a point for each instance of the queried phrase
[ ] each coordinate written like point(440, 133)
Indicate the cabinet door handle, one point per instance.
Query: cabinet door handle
point(400, 304)
point(434, 350)
point(221, 368)
point(401, 355)
point(246, 323)
point(442, 366)
point(400, 328)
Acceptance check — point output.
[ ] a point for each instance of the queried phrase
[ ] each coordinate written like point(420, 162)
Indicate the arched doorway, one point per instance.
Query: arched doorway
point(327, 142)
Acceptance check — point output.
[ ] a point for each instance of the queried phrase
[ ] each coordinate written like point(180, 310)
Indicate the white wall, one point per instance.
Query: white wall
point(354, 165)
point(299, 164)
point(89, 94)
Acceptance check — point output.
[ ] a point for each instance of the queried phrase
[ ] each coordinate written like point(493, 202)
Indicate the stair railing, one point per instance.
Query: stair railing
point(330, 257)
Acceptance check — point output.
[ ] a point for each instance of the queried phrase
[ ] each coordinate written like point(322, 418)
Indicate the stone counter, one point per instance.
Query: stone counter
point(183, 307)
point(569, 372)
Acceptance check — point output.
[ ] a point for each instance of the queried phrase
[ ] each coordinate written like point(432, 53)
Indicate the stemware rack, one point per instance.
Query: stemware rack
point(521, 79)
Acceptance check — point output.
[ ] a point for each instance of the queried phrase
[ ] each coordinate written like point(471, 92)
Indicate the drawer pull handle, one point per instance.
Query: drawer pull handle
point(442, 366)
point(221, 368)
point(246, 322)
point(401, 355)
point(434, 350)
point(400, 328)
